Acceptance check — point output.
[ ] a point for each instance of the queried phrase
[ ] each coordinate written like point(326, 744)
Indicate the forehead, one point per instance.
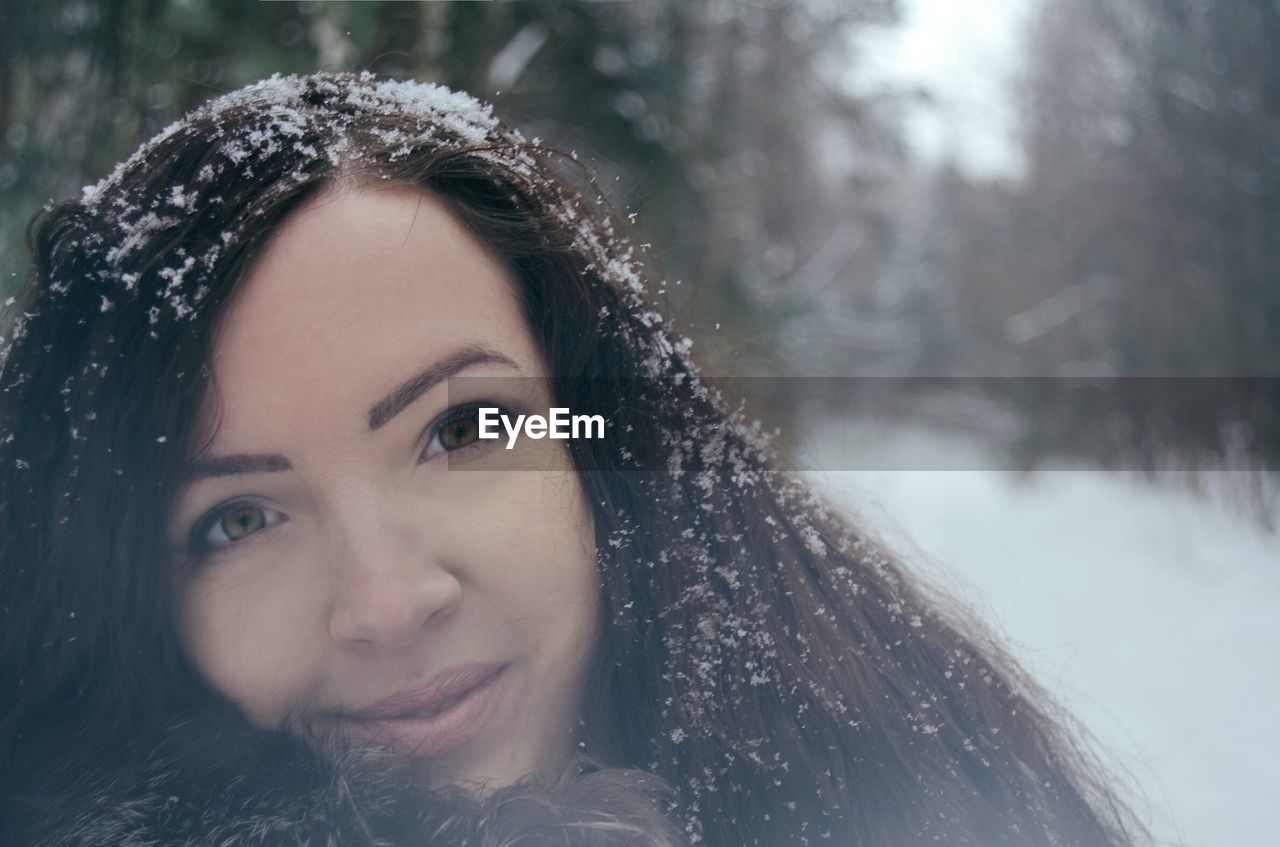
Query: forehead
point(357, 291)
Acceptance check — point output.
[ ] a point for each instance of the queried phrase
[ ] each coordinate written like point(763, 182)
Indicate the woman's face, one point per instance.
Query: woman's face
point(347, 566)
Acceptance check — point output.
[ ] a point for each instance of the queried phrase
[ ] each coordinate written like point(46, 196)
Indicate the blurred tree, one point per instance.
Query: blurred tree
point(1145, 240)
point(727, 128)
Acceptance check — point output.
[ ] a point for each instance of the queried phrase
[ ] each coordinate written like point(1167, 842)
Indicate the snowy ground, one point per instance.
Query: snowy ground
point(1153, 615)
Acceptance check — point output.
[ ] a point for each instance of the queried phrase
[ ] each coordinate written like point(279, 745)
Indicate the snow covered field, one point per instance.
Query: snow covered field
point(1151, 614)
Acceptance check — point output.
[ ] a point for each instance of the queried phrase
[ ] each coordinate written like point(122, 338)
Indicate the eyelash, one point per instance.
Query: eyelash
point(199, 544)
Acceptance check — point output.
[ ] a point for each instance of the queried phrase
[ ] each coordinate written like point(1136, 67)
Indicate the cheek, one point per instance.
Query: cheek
point(539, 560)
point(252, 642)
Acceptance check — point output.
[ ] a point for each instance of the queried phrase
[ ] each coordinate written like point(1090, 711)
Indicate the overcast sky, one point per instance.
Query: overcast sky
point(967, 55)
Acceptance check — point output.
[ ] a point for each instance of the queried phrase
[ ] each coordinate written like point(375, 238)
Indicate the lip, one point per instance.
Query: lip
point(390, 721)
point(439, 688)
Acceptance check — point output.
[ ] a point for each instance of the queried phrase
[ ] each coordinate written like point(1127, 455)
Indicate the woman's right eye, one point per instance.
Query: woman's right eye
point(230, 525)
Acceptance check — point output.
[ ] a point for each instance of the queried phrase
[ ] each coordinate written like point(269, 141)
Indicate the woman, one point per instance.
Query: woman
point(247, 554)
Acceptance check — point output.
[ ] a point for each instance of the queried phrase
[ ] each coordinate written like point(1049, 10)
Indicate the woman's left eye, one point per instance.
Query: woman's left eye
point(455, 430)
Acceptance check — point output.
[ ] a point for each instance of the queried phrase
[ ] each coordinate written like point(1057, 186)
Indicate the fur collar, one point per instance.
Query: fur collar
point(220, 782)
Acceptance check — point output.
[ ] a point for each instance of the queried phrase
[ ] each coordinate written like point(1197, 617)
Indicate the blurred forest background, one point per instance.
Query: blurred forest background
point(1127, 280)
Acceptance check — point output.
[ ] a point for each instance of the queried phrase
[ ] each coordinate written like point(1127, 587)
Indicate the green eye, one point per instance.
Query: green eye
point(460, 432)
point(456, 429)
point(242, 521)
point(229, 525)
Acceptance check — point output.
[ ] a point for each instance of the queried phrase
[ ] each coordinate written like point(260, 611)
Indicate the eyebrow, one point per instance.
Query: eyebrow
point(238, 464)
point(414, 387)
point(379, 414)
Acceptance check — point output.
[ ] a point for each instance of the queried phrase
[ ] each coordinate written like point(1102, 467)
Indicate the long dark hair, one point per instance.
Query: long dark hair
point(772, 663)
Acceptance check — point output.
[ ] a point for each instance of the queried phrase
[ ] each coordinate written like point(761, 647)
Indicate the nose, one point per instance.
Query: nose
point(392, 581)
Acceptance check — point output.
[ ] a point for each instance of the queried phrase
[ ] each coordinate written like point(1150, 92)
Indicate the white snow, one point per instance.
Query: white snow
point(1151, 614)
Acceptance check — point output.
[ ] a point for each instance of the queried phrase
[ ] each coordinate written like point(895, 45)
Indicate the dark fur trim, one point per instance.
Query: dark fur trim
point(220, 782)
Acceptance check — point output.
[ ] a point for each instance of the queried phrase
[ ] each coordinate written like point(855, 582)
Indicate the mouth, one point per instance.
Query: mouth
point(431, 712)
point(447, 713)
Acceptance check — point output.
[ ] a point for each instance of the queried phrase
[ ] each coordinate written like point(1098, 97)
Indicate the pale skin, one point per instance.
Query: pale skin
point(354, 563)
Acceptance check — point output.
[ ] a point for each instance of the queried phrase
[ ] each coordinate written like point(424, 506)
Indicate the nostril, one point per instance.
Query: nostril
point(391, 612)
